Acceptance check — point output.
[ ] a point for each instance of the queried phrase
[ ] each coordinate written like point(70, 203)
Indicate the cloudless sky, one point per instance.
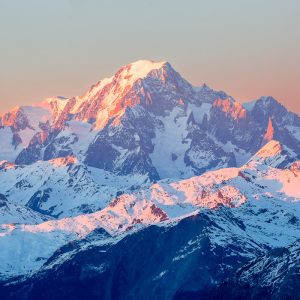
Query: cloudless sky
point(61, 47)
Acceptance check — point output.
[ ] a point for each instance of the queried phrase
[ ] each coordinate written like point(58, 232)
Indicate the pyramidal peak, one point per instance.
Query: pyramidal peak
point(110, 97)
point(125, 76)
point(129, 74)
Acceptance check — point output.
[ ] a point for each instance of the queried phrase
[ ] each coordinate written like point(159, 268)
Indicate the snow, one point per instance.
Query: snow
point(259, 195)
point(249, 105)
point(13, 213)
point(271, 149)
point(273, 154)
point(83, 131)
point(248, 191)
point(36, 115)
point(27, 253)
point(288, 181)
point(295, 131)
point(70, 185)
point(241, 155)
point(26, 135)
point(110, 91)
point(171, 139)
point(7, 150)
point(161, 274)
point(200, 111)
point(141, 68)
point(53, 105)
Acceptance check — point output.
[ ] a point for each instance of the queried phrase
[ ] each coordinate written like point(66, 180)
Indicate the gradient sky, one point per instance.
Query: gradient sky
point(61, 47)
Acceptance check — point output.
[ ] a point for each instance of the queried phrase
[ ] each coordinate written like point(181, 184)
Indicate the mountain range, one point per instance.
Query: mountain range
point(147, 186)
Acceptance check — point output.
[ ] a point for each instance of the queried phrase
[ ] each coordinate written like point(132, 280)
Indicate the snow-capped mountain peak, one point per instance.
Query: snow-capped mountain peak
point(109, 98)
point(146, 111)
point(141, 68)
point(126, 76)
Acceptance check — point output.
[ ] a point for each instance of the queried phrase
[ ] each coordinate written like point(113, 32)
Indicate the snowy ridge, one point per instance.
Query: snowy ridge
point(245, 191)
point(62, 186)
point(105, 99)
point(275, 155)
point(11, 213)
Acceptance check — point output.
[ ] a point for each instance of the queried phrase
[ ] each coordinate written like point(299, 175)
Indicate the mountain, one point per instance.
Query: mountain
point(275, 155)
point(148, 187)
point(145, 121)
point(208, 229)
point(178, 262)
point(63, 186)
point(280, 282)
point(12, 213)
point(258, 202)
point(126, 123)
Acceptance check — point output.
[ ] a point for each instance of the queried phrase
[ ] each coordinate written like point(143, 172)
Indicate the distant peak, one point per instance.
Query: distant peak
point(274, 154)
point(262, 102)
point(267, 100)
point(231, 107)
point(271, 149)
point(56, 102)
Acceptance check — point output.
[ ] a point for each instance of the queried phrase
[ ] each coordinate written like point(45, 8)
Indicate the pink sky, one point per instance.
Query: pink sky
point(61, 47)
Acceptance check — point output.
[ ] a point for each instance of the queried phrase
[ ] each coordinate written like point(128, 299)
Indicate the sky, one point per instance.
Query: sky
point(61, 47)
